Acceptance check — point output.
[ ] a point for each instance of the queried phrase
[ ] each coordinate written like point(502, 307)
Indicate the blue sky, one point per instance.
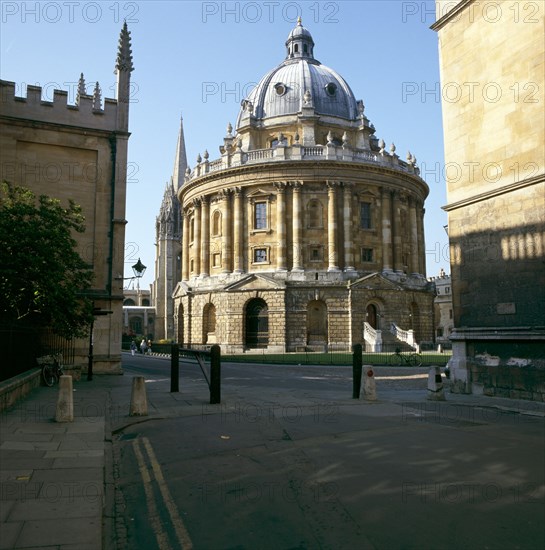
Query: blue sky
point(200, 59)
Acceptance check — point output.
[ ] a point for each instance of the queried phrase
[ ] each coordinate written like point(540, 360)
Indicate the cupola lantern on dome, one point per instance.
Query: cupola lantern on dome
point(299, 42)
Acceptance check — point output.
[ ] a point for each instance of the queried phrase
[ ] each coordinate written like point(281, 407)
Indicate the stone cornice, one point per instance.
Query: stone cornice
point(298, 166)
point(540, 178)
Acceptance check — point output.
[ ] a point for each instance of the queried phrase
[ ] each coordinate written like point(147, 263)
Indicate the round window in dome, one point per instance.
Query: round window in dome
point(280, 88)
point(331, 88)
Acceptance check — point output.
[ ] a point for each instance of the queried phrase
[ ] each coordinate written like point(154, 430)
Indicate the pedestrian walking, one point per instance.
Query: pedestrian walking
point(133, 347)
point(149, 347)
point(143, 346)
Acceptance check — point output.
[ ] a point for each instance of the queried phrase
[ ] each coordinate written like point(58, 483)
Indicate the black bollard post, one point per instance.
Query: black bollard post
point(357, 361)
point(174, 368)
point(215, 374)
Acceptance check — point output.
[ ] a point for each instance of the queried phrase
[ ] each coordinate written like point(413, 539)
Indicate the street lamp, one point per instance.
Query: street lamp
point(138, 269)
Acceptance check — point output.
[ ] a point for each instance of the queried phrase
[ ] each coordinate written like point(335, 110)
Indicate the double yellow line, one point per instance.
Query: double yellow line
point(148, 476)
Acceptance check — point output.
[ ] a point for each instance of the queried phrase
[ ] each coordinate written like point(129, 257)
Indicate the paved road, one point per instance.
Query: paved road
point(289, 461)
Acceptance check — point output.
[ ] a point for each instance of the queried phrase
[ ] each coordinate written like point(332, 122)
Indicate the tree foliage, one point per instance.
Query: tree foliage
point(42, 276)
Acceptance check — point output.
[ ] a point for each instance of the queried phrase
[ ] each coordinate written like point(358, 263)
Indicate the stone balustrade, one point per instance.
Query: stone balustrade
point(237, 157)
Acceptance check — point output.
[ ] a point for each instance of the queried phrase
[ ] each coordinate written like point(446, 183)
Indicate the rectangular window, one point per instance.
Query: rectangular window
point(365, 215)
point(260, 255)
point(216, 260)
point(450, 313)
point(366, 254)
point(260, 215)
point(316, 254)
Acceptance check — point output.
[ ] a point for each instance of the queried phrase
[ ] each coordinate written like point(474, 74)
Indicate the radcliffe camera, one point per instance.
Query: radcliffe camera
point(272, 275)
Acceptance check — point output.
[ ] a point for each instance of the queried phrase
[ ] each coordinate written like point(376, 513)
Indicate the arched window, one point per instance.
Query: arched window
point(192, 229)
point(135, 323)
point(315, 214)
point(216, 223)
point(209, 323)
point(296, 48)
point(145, 302)
point(129, 302)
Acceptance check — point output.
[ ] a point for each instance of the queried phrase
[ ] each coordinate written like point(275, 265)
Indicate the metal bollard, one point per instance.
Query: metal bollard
point(215, 374)
point(174, 368)
point(356, 370)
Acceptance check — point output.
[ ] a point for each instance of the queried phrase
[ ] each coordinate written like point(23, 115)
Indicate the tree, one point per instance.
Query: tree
point(42, 277)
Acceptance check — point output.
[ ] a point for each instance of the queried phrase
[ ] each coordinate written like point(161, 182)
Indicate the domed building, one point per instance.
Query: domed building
point(306, 233)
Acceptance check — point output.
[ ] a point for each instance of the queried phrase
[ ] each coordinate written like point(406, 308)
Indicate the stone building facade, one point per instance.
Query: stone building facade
point(168, 241)
point(443, 314)
point(306, 229)
point(139, 315)
point(79, 152)
point(495, 144)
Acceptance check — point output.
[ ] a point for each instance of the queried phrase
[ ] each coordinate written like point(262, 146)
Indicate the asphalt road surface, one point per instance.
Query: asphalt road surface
point(289, 461)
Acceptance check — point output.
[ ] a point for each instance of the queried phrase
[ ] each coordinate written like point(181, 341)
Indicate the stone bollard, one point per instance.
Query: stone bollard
point(435, 385)
point(65, 400)
point(139, 401)
point(369, 384)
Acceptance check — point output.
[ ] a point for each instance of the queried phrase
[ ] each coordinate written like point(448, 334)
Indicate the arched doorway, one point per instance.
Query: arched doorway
point(316, 323)
point(209, 324)
point(371, 315)
point(257, 324)
point(180, 324)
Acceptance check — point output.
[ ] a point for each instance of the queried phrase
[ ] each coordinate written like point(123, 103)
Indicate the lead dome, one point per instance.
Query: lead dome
point(281, 92)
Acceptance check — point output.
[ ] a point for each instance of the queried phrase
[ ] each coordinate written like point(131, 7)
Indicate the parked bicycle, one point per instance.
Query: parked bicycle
point(400, 359)
point(52, 371)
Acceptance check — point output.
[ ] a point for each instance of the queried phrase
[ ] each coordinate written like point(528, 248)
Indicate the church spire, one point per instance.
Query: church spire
point(180, 159)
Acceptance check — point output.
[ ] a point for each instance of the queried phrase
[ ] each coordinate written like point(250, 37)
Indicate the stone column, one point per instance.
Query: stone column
point(197, 237)
point(333, 255)
point(226, 231)
point(239, 232)
point(185, 247)
point(396, 230)
point(415, 254)
point(205, 236)
point(281, 225)
point(420, 211)
point(347, 218)
point(386, 230)
point(297, 226)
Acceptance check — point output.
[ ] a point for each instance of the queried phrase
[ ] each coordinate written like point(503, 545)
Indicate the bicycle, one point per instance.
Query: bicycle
point(51, 372)
point(412, 359)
